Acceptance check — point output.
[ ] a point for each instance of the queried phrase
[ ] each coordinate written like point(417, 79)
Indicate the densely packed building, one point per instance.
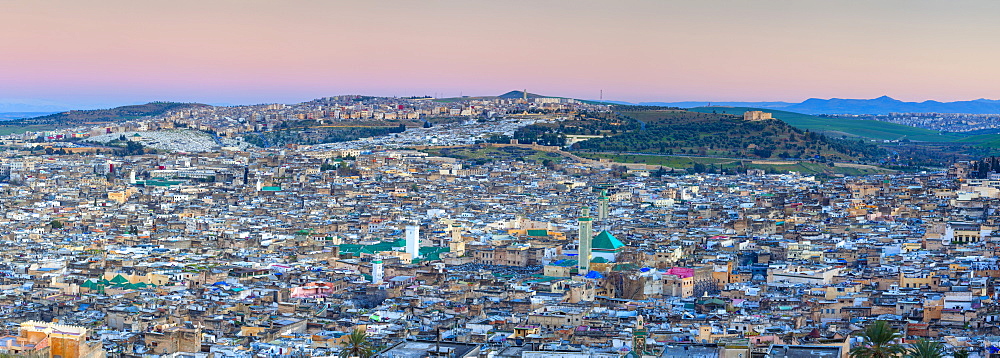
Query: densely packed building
point(249, 252)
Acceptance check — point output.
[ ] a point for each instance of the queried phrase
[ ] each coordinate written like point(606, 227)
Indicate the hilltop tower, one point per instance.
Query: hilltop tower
point(413, 241)
point(585, 237)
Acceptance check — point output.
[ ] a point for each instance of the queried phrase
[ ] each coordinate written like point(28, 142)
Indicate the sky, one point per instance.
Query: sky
point(109, 52)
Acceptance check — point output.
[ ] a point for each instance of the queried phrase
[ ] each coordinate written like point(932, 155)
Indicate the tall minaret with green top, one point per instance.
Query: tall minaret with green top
point(602, 206)
point(586, 237)
point(377, 270)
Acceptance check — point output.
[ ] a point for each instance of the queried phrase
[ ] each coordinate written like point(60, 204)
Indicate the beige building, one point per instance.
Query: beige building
point(756, 116)
point(47, 339)
point(166, 339)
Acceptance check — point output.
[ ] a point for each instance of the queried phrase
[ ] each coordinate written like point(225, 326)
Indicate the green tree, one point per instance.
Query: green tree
point(133, 148)
point(56, 224)
point(548, 163)
point(926, 349)
point(357, 345)
point(879, 342)
point(961, 353)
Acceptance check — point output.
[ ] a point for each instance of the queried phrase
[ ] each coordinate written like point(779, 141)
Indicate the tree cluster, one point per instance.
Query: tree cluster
point(679, 132)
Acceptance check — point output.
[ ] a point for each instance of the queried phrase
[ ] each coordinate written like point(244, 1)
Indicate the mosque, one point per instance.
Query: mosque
point(601, 248)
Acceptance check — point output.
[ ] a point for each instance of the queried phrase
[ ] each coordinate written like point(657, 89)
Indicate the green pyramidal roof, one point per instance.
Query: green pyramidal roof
point(606, 241)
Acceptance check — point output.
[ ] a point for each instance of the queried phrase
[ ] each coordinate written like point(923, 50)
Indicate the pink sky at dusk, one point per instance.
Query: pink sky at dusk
point(255, 51)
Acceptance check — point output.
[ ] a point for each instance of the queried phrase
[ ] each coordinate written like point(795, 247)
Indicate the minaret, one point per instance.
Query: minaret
point(377, 272)
point(413, 241)
point(602, 206)
point(586, 235)
point(457, 246)
point(456, 232)
point(639, 335)
point(131, 176)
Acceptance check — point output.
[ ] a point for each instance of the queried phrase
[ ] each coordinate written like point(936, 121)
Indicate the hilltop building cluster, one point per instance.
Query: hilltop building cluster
point(339, 111)
point(945, 122)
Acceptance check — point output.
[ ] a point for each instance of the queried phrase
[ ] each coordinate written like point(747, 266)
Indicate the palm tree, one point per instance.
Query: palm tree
point(357, 345)
point(926, 349)
point(960, 353)
point(878, 343)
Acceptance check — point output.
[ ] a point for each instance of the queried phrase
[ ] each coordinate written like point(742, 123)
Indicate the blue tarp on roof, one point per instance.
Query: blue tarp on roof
point(594, 275)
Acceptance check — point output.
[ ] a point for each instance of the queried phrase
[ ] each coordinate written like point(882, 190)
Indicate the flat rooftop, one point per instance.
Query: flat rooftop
point(783, 351)
point(422, 349)
point(690, 351)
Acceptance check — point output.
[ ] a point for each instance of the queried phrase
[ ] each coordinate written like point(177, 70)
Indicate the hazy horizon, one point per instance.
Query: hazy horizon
point(114, 52)
point(5, 103)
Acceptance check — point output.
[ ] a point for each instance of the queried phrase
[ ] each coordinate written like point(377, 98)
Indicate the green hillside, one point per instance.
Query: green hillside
point(635, 129)
point(734, 165)
point(845, 127)
point(481, 155)
point(985, 140)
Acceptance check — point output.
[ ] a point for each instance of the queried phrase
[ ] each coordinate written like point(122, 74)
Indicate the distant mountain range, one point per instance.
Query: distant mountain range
point(18, 109)
point(881, 105)
point(519, 94)
point(6, 116)
point(24, 105)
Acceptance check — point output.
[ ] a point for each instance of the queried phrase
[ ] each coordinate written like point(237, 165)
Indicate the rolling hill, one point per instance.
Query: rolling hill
point(6, 116)
point(117, 114)
point(880, 105)
point(886, 105)
point(844, 127)
point(635, 129)
point(509, 95)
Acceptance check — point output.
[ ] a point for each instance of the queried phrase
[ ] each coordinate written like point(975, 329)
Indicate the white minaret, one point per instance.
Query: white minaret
point(377, 273)
point(413, 241)
point(260, 185)
point(585, 237)
point(131, 176)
